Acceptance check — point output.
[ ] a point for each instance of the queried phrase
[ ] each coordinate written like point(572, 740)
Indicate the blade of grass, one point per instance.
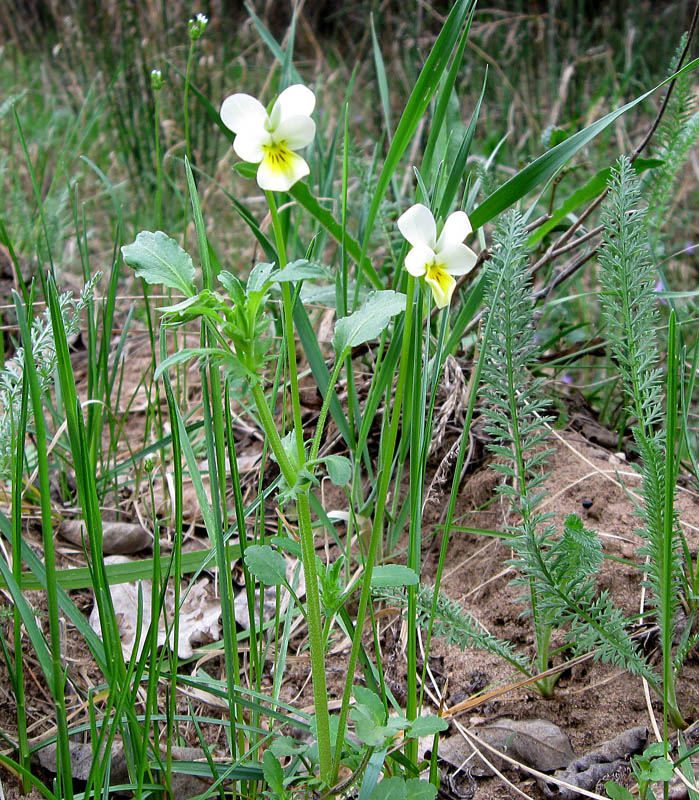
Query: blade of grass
point(440, 111)
point(85, 479)
point(425, 86)
point(550, 162)
point(24, 773)
point(274, 47)
point(55, 675)
point(456, 173)
point(18, 671)
point(79, 577)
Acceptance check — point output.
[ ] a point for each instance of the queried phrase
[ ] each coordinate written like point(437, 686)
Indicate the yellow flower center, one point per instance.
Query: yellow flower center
point(278, 156)
point(437, 274)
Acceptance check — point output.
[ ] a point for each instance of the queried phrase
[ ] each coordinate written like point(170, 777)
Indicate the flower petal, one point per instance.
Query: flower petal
point(280, 169)
point(457, 259)
point(295, 132)
point(418, 260)
point(442, 285)
point(242, 111)
point(455, 230)
point(296, 100)
point(418, 226)
point(249, 145)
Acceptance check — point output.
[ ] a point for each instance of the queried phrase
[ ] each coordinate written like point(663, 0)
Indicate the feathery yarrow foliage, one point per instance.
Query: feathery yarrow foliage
point(564, 576)
point(558, 572)
point(629, 308)
point(515, 411)
point(454, 624)
point(629, 302)
point(44, 355)
point(514, 402)
point(675, 136)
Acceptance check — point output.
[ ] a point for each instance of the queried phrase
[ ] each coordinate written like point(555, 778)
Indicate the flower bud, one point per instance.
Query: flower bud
point(156, 80)
point(197, 26)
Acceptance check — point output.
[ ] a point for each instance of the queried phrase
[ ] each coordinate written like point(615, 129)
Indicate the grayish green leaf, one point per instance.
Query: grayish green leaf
point(367, 322)
point(300, 270)
point(365, 697)
point(367, 729)
point(339, 469)
point(266, 564)
point(273, 772)
point(426, 726)
point(418, 789)
point(258, 280)
point(284, 746)
point(390, 789)
point(394, 575)
point(158, 259)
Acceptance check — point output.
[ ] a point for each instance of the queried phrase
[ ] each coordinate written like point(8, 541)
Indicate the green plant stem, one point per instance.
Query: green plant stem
point(666, 626)
point(213, 428)
point(275, 442)
point(177, 522)
point(419, 430)
point(188, 73)
point(542, 631)
point(249, 582)
point(18, 678)
point(377, 527)
point(315, 627)
point(156, 608)
point(158, 162)
point(288, 310)
point(438, 364)
point(320, 425)
point(315, 636)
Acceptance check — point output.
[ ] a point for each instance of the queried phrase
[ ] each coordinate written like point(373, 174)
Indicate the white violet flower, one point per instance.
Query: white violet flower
point(271, 140)
point(437, 258)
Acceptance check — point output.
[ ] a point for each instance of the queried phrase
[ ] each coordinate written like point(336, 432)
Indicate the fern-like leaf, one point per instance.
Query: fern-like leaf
point(629, 309)
point(677, 133)
point(455, 625)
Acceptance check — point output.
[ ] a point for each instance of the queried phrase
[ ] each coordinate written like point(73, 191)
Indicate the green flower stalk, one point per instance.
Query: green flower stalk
point(271, 141)
point(157, 83)
point(195, 28)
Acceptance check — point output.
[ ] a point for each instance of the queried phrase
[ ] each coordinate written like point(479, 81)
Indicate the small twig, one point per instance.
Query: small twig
point(563, 274)
point(663, 107)
point(563, 244)
point(538, 222)
point(551, 254)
